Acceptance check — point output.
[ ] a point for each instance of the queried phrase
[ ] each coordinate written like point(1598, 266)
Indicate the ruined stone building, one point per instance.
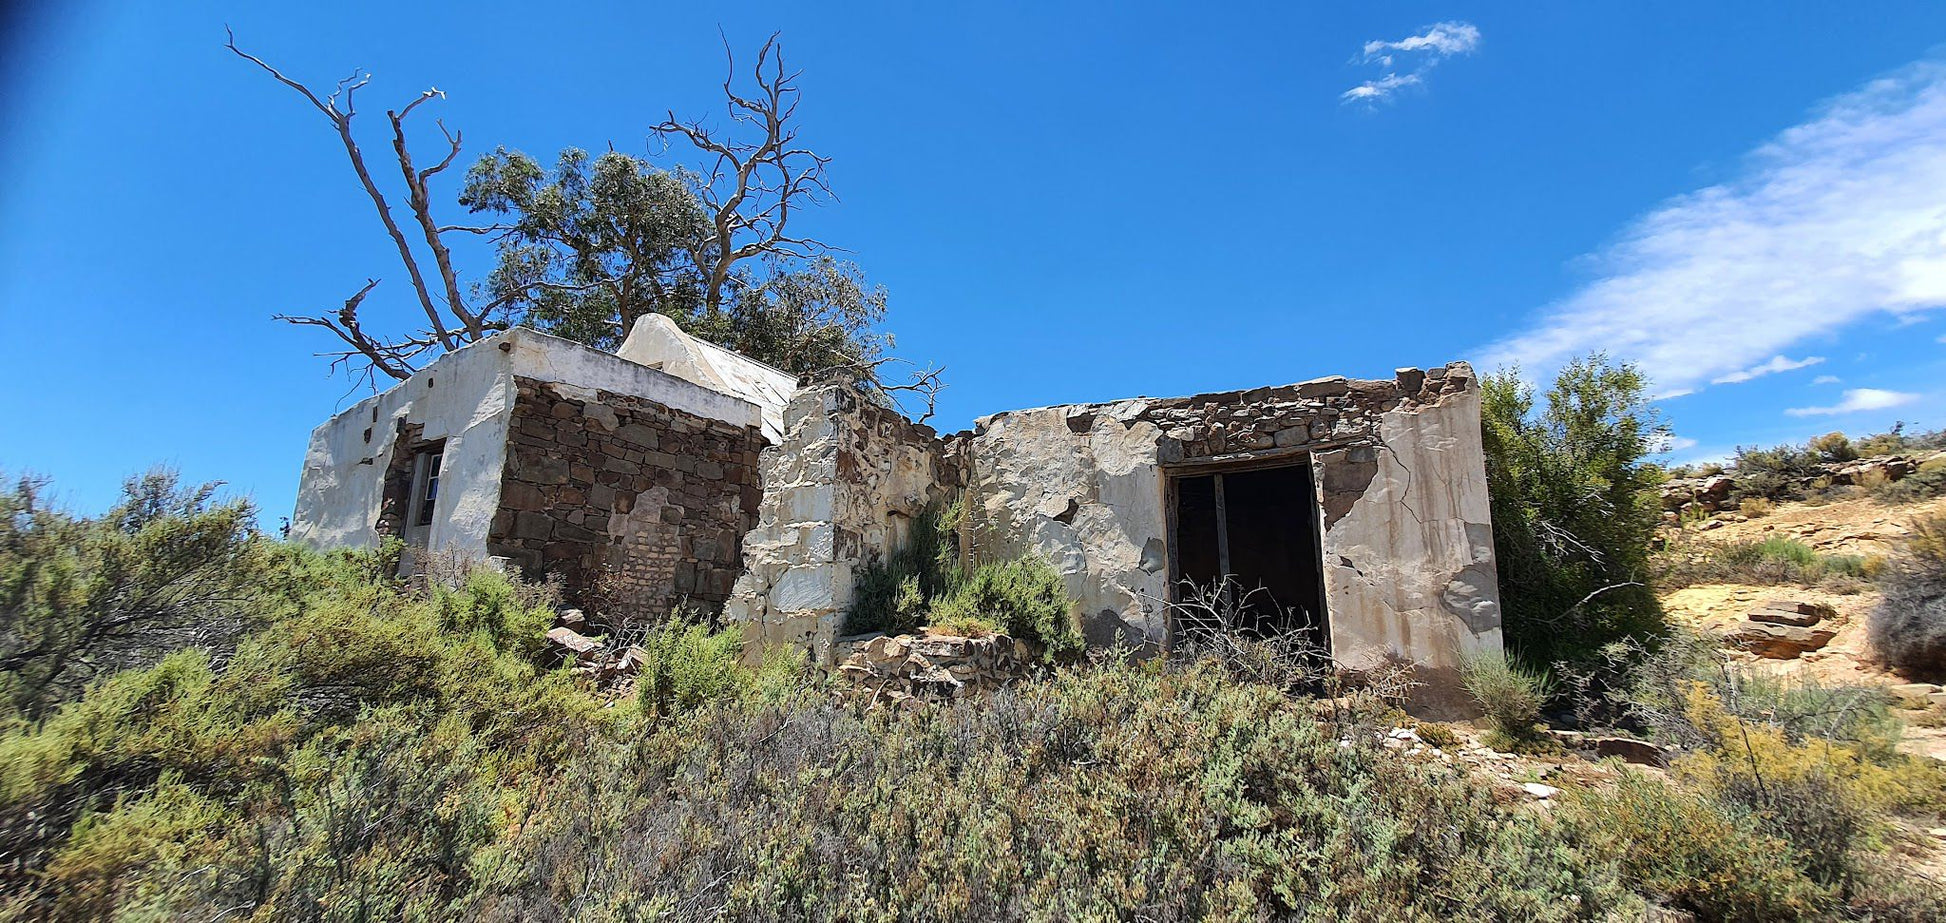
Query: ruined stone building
point(678, 472)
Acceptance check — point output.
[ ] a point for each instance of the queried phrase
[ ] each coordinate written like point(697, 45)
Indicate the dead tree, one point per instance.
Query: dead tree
point(756, 175)
point(450, 321)
point(752, 184)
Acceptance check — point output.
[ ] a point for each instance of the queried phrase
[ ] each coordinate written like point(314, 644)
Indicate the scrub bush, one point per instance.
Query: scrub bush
point(1104, 791)
point(1924, 484)
point(1692, 852)
point(168, 567)
point(688, 664)
point(923, 583)
point(1511, 695)
point(1908, 627)
point(1025, 597)
point(1770, 561)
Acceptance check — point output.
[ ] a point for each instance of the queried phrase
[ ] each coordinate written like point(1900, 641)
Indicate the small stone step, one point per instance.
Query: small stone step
point(1778, 642)
point(1794, 612)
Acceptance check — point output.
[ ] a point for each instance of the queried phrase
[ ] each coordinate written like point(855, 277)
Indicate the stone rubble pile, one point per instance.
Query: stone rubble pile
point(592, 657)
point(1783, 629)
point(1516, 777)
point(909, 669)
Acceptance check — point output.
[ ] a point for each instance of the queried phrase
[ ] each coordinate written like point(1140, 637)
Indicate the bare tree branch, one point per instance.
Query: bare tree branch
point(751, 186)
point(394, 357)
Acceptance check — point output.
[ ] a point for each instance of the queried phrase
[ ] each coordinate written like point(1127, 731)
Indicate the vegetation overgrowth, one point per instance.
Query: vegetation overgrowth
point(244, 729)
point(1908, 627)
point(923, 582)
point(1774, 559)
point(1800, 471)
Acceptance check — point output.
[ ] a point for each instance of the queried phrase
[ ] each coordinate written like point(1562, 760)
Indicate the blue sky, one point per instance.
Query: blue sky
point(1067, 202)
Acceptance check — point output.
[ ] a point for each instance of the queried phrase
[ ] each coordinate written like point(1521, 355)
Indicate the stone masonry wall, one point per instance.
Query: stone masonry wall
point(637, 506)
point(843, 486)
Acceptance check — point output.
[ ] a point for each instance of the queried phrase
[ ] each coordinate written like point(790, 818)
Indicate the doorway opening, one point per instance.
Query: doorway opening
point(1261, 527)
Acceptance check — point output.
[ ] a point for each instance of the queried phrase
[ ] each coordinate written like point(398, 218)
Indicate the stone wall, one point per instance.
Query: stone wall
point(639, 507)
point(1400, 471)
point(843, 485)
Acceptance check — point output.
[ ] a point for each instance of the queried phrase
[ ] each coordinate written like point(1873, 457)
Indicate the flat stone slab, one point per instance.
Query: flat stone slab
point(1794, 612)
point(1778, 642)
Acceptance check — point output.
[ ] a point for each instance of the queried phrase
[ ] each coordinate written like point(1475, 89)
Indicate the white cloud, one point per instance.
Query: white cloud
point(1377, 89)
point(1776, 364)
point(1679, 392)
point(1826, 380)
point(1423, 52)
point(1857, 399)
point(1833, 220)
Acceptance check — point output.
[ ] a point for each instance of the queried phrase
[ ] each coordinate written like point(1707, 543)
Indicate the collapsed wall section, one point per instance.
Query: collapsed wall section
point(639, 507)
point(846, 481)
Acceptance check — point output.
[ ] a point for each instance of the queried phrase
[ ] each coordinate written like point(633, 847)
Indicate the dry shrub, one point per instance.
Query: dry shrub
point(1692, 851)
point(1511, 695)
point(1908, 627)
point(1756, 507)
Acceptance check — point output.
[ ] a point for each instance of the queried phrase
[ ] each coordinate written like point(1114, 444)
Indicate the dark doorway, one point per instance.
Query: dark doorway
point(1260, 526)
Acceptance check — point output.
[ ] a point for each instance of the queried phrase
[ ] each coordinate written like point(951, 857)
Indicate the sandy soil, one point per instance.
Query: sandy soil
point(1859, 527)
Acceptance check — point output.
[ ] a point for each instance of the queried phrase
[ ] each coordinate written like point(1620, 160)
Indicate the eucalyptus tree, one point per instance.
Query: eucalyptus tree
point(586, 249)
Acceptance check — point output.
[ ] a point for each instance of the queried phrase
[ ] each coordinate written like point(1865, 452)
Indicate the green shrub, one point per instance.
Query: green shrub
point(1908, 626)
point(1924, 484)
point(1025, 597)
point(168, 567)
point(689, 664)
point(1511, 695)
point(359, 726)
point(504, 612)
point(1832, 447)
point(965, 626)
point(1772, 560)
point(1102, 792)
point(892, 590)
point(923, 583)
point(1776, 473)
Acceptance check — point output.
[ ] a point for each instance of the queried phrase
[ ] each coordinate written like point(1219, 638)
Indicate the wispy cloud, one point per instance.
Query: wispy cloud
point(1406, 61)
point(1826, 380)
point(1833, 220)
point(1775, 365)
point(1857, 399)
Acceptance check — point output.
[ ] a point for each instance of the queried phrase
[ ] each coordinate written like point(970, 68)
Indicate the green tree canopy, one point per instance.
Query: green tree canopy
point(597, 243)
point(1572, 512)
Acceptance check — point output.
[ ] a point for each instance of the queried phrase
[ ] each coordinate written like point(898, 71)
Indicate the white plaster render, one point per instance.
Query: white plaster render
point(655, 341)
point(1409, 570)
point(466, 398)
point(1030, 472)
